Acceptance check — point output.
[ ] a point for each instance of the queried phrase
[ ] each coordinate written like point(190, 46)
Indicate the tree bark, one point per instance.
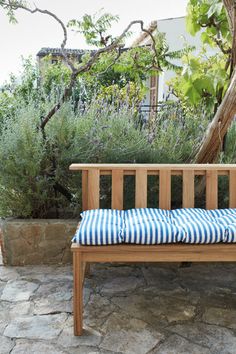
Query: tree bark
point(217, 129)
point(213, 140)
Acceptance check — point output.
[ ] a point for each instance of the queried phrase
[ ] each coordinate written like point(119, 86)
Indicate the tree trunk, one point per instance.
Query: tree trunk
point(213, 141)
point(217, 129)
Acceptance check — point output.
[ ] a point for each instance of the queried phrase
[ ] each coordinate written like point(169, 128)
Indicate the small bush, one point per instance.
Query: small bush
point(34, 176)
point(176, 133)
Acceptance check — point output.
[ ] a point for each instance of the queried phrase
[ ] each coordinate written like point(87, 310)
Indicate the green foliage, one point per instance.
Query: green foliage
point(131, 94)
point(34, 176)
point(19, 91)
point(176, 133)
point(201, 80)
point(105, 134)
point(54, 76)
point(210, 15)
point(95, 28)
point(21, 150)
point(10, 9)
point(205, 78)
point(32, 167)
point(229, 152)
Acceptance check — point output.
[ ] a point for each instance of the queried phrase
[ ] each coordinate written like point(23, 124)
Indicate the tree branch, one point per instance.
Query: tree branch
point(229, 11)
point(15, 6)
point(111, 64)
point(220, 44)
point(115, 45)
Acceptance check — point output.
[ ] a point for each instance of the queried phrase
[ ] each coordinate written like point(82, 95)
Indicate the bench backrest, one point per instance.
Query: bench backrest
point(91, 183)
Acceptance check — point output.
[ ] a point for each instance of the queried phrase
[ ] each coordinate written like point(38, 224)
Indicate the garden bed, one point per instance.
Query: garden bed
point(37, 241)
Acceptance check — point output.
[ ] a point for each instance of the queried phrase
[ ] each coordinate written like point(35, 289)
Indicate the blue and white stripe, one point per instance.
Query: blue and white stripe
point(203, 232)
point(100, 227)
point(230, 233)
point(182, 218)
point(216, 213)
point(199, 226)
point(140, 214)
point(226, 219)
point(149, 226)
point(187, 211)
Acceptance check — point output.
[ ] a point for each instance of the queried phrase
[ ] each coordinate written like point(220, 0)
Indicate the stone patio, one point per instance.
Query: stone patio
point(138, 309)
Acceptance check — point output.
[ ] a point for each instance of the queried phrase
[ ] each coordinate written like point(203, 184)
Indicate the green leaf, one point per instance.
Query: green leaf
point(205, 38)
point(204, 84)
point(190, 91)
point(191, 26)
point(215, 9)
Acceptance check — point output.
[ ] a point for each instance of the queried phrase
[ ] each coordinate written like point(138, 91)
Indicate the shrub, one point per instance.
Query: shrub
point(229, 145)
point(176, 133)
point(34, 176)
point(22, 153)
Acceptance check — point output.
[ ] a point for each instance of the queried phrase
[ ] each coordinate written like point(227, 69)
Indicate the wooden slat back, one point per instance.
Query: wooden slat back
point(117, 189)
point(93, 188)
point(141, 188)
point(232, 189)
point(85, 190)
point(91, 181)
point(188, 189)
point(165, 189)
point(211, 189)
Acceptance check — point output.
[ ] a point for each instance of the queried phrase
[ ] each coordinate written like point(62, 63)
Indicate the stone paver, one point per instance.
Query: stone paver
point(129, 309)
point(222, 317)
point(36, 327)
point(218, 340)
point(178, 345)
point(66, 339)
point(18, 290)
point(29, 347)
point(6, 345)
point(128, 335)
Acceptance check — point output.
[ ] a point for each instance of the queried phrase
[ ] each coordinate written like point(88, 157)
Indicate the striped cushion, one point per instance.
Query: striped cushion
point(100, 227)
point(216, 213)
point(225, 220)
point(187, 211)
point(199, 226)
point(203, 232)
point(230, 233)
point(150, 227)
point(148, 214)
point(156, 226)
point(183, 216)
point(228, 220)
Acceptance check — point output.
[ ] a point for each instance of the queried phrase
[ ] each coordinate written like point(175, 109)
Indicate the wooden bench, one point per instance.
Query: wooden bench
point(83, 255)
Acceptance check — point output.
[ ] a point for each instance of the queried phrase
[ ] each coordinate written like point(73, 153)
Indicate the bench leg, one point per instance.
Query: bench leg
point(78, 293)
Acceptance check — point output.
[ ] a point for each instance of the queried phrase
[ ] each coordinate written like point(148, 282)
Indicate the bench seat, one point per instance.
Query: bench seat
point(148, 226)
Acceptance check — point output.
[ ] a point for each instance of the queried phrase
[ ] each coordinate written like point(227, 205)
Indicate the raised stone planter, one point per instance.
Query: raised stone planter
point(37, 241)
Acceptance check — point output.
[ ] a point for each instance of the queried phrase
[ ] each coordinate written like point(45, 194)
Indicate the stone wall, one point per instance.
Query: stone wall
point(37, 241)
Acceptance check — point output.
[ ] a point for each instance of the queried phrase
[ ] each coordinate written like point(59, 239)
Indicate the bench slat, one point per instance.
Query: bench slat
point(94, 189)
point(232, 189)
point(165, 189)
point(141, 188)
point(117, 189)
point(188, 189)
point(85, 190)
point(211, 189)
